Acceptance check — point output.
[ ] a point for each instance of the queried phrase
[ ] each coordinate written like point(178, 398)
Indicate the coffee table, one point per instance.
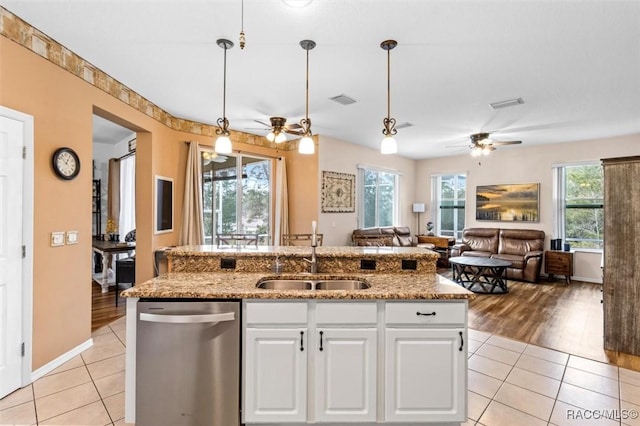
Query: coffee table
point(480, 274)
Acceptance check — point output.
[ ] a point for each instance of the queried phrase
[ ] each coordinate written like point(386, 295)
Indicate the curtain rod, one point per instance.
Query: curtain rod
point(128, 154)
point(240, 152)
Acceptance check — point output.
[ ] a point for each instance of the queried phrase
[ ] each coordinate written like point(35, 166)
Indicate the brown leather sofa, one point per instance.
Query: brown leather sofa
point(399, 236)
point(522, 247)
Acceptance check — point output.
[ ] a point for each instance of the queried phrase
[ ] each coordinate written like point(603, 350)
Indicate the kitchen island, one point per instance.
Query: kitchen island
point(392, 353)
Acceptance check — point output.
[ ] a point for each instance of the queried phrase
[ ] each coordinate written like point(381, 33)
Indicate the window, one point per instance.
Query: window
point(226, 212)
point(580, 199)
point(448, 195)
point(378, 201)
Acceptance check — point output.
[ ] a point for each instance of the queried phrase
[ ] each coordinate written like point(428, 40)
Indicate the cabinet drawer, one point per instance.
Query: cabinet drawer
point(558, 262)
point(276, 313)
point(423, 313)
point(346, 313)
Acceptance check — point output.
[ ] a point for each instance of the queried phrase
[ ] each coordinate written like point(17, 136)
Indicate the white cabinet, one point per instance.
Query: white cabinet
point(275, 375)
point(345, 364)
point(275, 362)
point(425, 362)
point(345, 347)
point(355, 362)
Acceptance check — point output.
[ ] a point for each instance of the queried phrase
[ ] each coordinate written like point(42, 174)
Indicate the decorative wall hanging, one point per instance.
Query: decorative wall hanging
point(338, 192)
point(508, 203)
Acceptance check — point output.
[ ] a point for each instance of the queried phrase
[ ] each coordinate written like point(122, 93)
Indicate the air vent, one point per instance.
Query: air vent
point(343, 100)
point(404, 125)
point(507, 103)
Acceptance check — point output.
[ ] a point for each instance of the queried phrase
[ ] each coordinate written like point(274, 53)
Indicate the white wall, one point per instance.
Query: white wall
point(339, 156)
point(524, 164)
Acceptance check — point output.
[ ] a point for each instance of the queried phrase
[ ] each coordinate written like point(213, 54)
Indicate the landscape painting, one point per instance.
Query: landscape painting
point(508, 203)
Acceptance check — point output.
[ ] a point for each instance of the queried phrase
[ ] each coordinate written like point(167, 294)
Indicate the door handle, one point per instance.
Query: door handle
point(321, 333)
point(188, 319)
point(461, 341)
point(301, 341)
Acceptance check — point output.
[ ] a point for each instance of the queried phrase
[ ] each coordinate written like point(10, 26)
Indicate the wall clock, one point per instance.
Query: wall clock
point(66, 163)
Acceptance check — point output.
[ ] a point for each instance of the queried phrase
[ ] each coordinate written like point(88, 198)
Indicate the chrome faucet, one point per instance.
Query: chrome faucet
point(314, 243)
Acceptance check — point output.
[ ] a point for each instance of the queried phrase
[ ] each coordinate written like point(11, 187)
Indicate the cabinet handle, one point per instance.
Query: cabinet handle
point(461, 341)
point(426, 315)
point(301, 341)
point(321, 333)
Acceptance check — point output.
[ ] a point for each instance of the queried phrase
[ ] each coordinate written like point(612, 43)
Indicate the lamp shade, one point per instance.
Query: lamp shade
point(306, 145)
point(418, 207)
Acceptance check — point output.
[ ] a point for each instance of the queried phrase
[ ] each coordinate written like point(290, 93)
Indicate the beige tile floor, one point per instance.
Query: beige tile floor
point(510, 383)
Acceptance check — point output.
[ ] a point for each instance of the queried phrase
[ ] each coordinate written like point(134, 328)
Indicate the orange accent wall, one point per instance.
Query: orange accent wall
point(62, 105)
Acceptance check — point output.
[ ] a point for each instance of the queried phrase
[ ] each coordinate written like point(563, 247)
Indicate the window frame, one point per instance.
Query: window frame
point(561, 206)
point(362, 169)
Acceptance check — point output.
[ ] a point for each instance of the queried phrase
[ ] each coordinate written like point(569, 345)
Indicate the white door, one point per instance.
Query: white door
point(275, 375)
point(346, 375)
point(425, 375)
point(11, 168)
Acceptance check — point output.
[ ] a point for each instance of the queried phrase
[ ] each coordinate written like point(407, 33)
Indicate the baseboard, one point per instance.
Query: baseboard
point(584, 279)
point(52, 365)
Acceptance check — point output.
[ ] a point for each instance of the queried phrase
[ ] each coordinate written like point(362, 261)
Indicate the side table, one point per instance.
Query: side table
point(442, 247)
point(560, 263)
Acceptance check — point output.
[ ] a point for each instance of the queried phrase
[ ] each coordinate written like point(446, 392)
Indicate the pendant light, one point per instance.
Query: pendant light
point(306, 145)
point(223, 143)
point(389, 145)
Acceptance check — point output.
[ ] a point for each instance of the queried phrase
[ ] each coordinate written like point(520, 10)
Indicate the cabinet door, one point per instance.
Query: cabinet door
point(425, 375)
point(275, 380)
point(346, 366)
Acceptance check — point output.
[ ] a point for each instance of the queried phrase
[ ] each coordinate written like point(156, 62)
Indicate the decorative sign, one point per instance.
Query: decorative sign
point(508, 203)
point(338, 192)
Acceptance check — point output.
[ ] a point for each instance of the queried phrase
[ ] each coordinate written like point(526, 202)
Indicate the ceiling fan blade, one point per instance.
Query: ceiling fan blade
point(496, 143)
point(293, 126)
point(263, 123)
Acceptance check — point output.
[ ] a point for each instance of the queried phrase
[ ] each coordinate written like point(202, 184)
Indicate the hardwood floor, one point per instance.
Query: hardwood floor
point(103, 306)
point(551, 314)
point(554, 315)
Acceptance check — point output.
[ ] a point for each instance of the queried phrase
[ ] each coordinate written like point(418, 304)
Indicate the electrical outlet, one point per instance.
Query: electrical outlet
point(72, 237)
point(57, 239)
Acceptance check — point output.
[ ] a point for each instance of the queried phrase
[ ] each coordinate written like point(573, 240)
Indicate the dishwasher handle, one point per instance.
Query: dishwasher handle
point(188, 319)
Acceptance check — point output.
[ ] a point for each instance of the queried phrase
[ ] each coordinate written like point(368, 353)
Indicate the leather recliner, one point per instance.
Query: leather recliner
point(522, 247)
point(399, 236)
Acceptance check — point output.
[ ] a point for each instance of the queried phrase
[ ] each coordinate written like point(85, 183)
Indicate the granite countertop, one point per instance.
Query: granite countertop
point(324, 251)
point(236, 285)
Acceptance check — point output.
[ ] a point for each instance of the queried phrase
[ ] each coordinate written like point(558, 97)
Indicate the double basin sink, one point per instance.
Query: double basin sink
point(310, 284)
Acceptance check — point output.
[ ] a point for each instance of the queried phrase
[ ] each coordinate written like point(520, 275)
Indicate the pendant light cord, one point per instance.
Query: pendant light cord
point(388, 83)
point(224, 85)
point(307, 89)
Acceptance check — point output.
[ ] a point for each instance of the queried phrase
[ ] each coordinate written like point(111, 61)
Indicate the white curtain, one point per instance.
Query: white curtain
point(192, 229)
point(127, 219)
point(282, 203)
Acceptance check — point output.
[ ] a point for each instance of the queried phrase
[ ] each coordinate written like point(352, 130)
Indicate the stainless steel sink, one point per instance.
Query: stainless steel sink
point(285, 285)
point(325, 284)
point(341, 285)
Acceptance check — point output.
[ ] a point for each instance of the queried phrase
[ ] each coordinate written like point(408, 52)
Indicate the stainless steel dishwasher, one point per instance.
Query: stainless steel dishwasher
point(188, 362)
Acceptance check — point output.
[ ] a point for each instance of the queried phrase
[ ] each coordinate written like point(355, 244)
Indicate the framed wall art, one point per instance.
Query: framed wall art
point(338, 192)
point(508, 203)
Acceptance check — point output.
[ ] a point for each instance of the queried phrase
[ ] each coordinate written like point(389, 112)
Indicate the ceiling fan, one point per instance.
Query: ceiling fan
point(279, 127)
point(482, 145)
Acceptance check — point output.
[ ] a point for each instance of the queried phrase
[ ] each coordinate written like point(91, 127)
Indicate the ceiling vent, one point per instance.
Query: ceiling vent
point(404, 125)
point(343, 100)
point(507, 103)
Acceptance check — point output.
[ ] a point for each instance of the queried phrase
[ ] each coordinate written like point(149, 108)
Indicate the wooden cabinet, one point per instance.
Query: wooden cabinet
point(442, 247)
point(425, 362)
point(621, 253)
point(558, 263)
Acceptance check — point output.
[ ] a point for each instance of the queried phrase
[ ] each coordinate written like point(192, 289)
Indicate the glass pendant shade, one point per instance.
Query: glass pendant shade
point(271, 137)
point(223, 145)
point(476, 151)
point(280, 137)
point(306, 145)
point(389, 145)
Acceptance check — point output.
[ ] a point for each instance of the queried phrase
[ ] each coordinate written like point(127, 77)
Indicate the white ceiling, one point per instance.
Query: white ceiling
point(576, 64)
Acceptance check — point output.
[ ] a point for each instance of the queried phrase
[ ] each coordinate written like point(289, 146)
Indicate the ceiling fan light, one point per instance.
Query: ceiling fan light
point(476, 151)
point(486, 150)
point(223, 145)
point(389, 145)
point(271, 137)
point(280, 137)
point(306, 145)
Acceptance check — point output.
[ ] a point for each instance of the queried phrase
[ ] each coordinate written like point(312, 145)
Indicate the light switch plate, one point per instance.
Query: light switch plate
point(57, 239)
point(72, 237)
